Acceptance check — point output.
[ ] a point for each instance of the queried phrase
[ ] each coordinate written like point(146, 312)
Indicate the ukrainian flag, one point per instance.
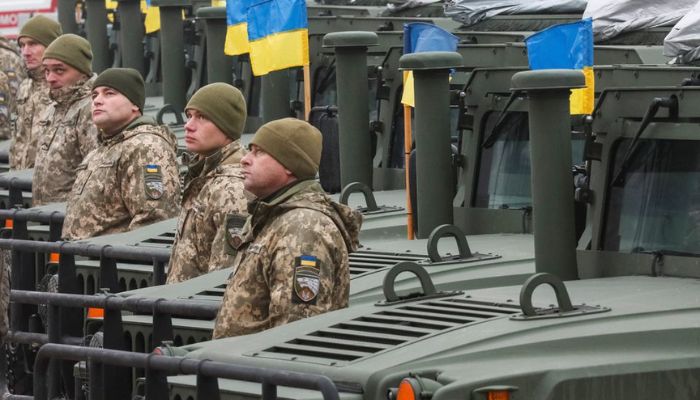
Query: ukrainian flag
point(237, 30)
point(309, 261)
point(567, 46)
point(152, 21)
point(279, 35)
point(419, 37)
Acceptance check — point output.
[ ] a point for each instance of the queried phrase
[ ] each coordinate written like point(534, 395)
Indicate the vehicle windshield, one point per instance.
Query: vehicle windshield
point(658, 207)
point(504, 169)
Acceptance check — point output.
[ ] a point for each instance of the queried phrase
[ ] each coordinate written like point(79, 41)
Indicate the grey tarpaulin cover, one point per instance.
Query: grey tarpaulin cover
point(402, 5)
point(684, 40)
point(613, 17)
point(469, 12)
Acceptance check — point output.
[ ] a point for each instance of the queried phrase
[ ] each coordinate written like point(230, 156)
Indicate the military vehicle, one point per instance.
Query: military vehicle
point(611, 341)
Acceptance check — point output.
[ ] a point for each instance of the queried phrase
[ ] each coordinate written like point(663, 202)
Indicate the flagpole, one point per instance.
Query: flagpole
point(407, 141)
point(307, 92)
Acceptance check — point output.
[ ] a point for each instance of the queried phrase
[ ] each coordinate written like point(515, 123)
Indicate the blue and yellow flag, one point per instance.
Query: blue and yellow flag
point(567, 46)
point(278, 34)
point(152, 21)
point(419, 37)
point(237, 30)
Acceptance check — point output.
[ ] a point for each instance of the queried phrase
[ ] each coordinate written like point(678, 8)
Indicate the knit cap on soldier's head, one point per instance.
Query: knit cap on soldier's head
point(294, 143)
point(72, 50)
point(42, 29)
point(224, 105)
point(126, 81)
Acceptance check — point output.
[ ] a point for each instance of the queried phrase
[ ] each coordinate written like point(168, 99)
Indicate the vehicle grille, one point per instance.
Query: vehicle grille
point(370, 334)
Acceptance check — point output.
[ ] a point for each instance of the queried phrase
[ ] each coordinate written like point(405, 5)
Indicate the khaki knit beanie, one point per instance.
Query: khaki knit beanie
point(294, 143)
point(42, 29)
point(224, 105)
point(126, 81)
point(72, 50)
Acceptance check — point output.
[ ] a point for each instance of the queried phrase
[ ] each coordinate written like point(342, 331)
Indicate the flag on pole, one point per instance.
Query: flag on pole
point(419, 37)
point(278, 34)
point(237, 27)
point(152, 21)
point(567, 46)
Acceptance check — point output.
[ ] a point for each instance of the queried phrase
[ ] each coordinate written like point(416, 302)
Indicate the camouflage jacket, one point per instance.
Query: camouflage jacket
point(213, 196)
point(130, 180)
point(292, 261)
point(5, 107)
point(32, 101)
point(66, 135)
point(11, 64)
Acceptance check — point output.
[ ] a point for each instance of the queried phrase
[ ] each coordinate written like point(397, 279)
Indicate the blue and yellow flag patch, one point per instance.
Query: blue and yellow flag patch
point(307, 279)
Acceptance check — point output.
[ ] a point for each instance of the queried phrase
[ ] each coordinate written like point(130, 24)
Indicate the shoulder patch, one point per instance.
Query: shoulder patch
point(153, 181)
point(307, 279)
point(234, 228)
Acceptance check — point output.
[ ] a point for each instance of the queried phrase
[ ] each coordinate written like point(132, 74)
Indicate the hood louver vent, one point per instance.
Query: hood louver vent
point(165, 239)
point(213, 294)
point(370, 334)
point(360, 263)
point(368, 261)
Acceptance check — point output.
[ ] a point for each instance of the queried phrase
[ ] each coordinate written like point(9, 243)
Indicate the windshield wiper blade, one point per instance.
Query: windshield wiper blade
point(669, 252)
point(671, 103)
point(497, 128)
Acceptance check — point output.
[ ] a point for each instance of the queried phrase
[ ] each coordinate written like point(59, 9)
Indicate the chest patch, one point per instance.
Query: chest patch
point(307, 279)
point(153, 181)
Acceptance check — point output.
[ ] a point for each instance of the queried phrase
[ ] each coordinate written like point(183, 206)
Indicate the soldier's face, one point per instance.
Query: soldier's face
point(202, 136)
point(32, 52)
point(111, 110)
point(59, 74)
point(263, 174)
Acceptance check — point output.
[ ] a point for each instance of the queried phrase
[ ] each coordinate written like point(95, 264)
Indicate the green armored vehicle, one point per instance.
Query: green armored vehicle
point(622, 325)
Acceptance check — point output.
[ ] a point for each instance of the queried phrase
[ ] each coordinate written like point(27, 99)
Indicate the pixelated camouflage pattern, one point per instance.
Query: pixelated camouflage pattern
point(6, 105)
point(214, 190)
point(11, 64)
point(301, 221)
point(66, 135)
point(109, 194)
point(32, 101)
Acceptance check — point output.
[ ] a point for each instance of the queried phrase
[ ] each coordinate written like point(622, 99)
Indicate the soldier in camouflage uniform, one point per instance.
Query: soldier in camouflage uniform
point(11, 66)
point(67, 132)
point(292, 259)
point(214, 196)
point(5, 103)
point(132, 178)
point(33, 94)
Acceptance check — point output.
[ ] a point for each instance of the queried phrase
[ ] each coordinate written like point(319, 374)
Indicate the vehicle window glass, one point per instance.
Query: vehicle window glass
point(658, 206)
point(503, 179)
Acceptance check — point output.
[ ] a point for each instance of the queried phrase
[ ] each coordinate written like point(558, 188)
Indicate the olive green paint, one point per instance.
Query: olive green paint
point(131, 33)
point(435, 191)
point(96, 26)
point(66, 16)
point(552, 194)
point(275, 95)
point(219, 65)
point(172, 52)
point(353, 108)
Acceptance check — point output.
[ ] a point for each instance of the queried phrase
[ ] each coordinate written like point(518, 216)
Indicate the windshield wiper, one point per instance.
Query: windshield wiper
point(666, 102)
point(497, 128)
point(668, 252)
